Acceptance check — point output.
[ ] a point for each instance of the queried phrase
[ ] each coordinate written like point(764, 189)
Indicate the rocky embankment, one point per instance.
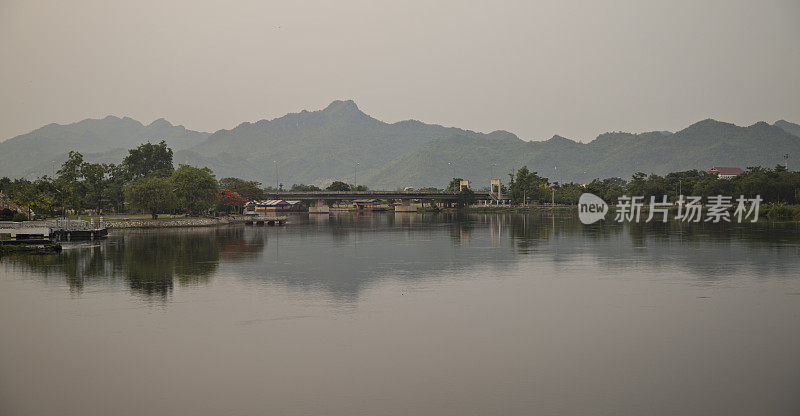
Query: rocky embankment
point(172, 222)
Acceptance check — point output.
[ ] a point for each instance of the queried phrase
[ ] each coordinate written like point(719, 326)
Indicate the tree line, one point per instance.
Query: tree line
point(145, 181)
point(777, 185)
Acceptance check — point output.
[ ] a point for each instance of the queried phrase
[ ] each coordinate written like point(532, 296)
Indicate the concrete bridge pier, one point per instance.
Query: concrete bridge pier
point(405, 206)
point(319, 207)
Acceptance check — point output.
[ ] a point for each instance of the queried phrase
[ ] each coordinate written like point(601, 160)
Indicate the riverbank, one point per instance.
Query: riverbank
point(172, 222)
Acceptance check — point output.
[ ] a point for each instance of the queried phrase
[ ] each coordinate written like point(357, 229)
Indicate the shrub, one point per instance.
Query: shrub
point(7, 214)
point(19, 217)
point(782, 212)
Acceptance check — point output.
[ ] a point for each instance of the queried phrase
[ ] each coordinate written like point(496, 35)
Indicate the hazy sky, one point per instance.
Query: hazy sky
point(536, 69)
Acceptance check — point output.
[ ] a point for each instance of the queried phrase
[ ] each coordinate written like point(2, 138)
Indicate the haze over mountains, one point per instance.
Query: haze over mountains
point(318, 147)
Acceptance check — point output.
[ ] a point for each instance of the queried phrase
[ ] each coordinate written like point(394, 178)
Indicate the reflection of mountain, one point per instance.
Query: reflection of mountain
point(149, 262)
point(342, 255)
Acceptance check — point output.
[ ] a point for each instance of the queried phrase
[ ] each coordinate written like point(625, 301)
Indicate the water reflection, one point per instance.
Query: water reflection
point(149, 262)
point(341, 255)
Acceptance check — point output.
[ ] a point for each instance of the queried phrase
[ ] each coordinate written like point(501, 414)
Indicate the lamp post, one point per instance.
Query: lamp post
point(493, 165)
point(276, 174)
point(355, 175)
point(454, 168)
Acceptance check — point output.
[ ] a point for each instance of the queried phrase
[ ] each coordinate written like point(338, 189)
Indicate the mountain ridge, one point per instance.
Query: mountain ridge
point(341, 142)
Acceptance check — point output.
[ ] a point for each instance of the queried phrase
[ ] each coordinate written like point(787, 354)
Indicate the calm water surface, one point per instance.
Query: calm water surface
point(408, 314)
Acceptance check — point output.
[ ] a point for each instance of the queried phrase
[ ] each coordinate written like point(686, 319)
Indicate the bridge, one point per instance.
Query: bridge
point(351, 195)
point(316, 199)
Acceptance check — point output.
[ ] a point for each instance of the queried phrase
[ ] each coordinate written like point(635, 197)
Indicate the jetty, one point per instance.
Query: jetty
point(40, 232)
point(265, 220)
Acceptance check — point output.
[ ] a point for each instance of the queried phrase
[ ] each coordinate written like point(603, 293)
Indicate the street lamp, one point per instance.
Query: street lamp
point(276, 174)
point(355, 175)
point(493, 165)
point(454, 168)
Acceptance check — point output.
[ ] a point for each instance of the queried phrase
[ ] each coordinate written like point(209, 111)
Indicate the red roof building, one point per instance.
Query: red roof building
point(725, 172)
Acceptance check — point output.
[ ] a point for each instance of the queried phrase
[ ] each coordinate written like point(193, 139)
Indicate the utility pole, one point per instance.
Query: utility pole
point(276, 174)
point(355, 175)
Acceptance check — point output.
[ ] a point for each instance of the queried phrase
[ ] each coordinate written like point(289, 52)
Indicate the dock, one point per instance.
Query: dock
point(38, 232)
point(265, 220)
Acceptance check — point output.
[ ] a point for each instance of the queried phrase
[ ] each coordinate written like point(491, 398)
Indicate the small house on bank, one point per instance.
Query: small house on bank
point(271, 206)
point(725, 172)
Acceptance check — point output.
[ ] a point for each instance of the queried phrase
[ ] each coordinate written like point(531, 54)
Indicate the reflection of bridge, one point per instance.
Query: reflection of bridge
point(316, 199)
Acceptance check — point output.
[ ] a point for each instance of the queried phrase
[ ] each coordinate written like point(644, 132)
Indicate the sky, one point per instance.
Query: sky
point(573, 68)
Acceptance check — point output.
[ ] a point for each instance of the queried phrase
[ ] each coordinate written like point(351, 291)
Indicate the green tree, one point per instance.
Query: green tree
point(113, 191)
point(304, 188)
point(338, 186)
point(149, 159)
point(528, 186)
point(196, 189)
point(69, 181)
point(94, 182)
point(454, 185)
point(23, 192)
point(150, 194)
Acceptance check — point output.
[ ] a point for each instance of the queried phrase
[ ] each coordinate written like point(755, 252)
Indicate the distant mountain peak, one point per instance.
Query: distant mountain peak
point(342, 105)
point(160, 122)
point(788, 126)
point(560, 139)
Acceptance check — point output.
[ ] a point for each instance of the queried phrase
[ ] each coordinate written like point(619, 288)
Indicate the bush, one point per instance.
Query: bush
point(782, 212)
point(7, 214)
point(19, 217)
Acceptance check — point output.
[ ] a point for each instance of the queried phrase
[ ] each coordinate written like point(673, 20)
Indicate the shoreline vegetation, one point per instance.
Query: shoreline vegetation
point(146, 183)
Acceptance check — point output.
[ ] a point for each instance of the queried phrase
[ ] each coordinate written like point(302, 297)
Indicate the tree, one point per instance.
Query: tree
point(196, 189)
point(5, 183)
point(250, 190)
point(465, 198)
point(150, 194)
point(94, 180)
point(24, 194)
point(304, 188)
point(229, 199)
point(338, 186)
point(149, 159)
point(454, 185)
point(528, 186)
point(69, 180)
point(113, 191)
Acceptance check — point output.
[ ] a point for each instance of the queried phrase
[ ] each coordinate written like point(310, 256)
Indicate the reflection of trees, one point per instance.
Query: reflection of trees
point(149, 262)
point(342, 255)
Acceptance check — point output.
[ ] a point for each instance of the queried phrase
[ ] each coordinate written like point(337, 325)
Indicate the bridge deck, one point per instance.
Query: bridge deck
point(348, 195)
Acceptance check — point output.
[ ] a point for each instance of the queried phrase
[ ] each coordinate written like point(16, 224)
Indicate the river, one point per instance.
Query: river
point(401, 314)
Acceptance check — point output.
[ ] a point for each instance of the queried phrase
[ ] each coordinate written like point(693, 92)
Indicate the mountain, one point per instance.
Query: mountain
point(317, 147)
point(700, 146)
point(35, 153)
point(790, 128)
